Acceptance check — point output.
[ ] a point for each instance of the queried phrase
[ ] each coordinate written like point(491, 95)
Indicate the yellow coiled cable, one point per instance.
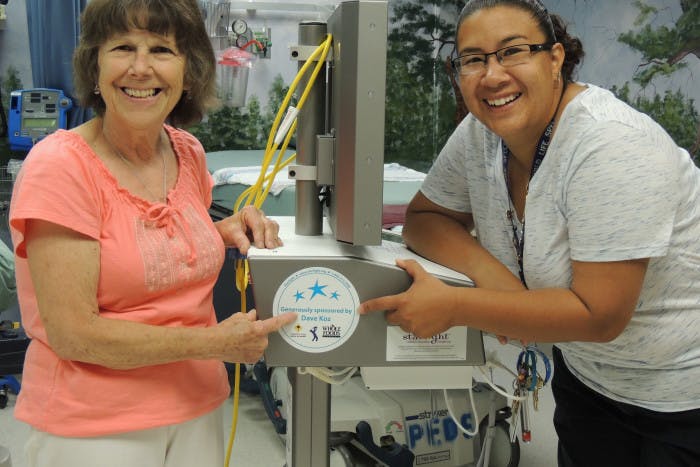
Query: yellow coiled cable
point(257, 193)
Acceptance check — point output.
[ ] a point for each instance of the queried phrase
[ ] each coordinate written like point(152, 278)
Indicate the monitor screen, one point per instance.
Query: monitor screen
point(357, 94)
point(48, 123)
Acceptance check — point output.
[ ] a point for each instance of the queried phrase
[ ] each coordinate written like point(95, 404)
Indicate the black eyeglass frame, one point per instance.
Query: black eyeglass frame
point(534, 48)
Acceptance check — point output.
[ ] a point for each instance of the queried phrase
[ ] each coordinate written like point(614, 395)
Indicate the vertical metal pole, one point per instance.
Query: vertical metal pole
point(311, 122)
point(311, 398)
point(311, 421)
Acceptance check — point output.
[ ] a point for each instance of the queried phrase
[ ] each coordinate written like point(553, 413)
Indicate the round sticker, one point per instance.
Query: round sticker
point(326, 304)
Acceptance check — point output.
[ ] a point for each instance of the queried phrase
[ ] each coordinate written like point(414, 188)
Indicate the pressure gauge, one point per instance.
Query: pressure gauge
point(239, 26)
point(242, 40)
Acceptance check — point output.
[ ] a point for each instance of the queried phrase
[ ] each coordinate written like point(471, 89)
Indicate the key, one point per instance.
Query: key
point(515, 415)
point(525, 421)
point(536, 393)
point(516, 403)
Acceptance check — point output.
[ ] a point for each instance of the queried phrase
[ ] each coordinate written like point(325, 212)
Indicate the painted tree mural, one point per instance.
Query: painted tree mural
point(420, 110)
point(665, 50)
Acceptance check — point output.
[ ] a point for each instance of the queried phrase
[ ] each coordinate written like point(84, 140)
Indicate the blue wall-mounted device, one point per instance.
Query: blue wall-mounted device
point(35, 113)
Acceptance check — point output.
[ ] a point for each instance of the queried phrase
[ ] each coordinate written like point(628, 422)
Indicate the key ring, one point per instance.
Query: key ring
point(528, 359)
point(547, 364)
point(545, 359)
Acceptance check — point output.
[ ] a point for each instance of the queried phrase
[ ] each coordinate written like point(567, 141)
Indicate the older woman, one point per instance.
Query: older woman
point(117, 255)
point(587, 223)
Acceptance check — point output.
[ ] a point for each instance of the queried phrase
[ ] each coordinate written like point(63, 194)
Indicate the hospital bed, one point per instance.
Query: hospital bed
point(235, 170)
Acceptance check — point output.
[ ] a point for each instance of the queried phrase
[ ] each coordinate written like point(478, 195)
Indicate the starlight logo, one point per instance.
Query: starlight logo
point(436, 339)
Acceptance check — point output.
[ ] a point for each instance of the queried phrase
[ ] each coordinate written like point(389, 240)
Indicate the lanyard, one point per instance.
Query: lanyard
point(542, 146)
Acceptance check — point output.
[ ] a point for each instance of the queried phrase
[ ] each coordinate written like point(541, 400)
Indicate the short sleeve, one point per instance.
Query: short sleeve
point(446, 182)
point(55, 184)
point(620, 199)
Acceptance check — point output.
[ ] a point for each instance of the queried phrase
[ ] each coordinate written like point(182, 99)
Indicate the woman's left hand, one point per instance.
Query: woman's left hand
point(421, 310)
point(247, 227)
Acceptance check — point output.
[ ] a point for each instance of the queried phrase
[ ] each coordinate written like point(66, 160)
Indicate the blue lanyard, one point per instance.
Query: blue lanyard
point(542, 146)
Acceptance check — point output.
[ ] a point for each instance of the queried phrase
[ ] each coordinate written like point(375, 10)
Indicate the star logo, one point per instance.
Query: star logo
point(317, 290)
point(335, 295)
point(299, 295)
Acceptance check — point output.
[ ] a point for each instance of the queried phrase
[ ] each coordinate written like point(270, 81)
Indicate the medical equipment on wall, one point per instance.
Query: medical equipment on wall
point(256, 41)
point(216, 20)
point(237, 46)
point(232, 68)
point(35, 113)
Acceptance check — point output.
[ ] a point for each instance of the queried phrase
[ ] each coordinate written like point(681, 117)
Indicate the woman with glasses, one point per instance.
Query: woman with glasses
point(587, 225)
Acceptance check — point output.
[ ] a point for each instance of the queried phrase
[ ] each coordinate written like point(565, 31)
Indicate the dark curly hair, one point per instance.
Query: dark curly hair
point(102, 19)
point(551, 25)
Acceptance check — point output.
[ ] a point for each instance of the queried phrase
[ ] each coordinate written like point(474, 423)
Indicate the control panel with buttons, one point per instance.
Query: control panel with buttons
point(35, 113)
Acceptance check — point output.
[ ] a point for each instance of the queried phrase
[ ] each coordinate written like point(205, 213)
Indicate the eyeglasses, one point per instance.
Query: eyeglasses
point(469, 64)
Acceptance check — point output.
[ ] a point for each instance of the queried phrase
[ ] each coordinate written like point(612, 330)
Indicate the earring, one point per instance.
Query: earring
point(96, 91)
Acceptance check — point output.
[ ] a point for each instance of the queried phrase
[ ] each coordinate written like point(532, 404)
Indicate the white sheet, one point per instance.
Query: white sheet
point(248, 175)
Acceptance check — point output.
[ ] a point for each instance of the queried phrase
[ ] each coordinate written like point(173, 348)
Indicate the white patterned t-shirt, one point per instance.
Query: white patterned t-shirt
point(613, 186)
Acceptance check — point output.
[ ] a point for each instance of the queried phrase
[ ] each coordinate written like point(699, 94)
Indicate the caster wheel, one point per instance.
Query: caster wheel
point(503, 452)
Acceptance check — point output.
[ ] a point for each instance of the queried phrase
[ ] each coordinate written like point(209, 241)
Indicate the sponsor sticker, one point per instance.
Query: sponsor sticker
point(325, 302)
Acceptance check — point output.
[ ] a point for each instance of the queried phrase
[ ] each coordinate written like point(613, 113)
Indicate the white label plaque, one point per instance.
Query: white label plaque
point(326, 305)
point(404, 346)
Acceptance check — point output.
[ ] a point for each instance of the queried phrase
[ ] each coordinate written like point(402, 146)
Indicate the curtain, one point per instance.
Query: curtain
point(53, 34)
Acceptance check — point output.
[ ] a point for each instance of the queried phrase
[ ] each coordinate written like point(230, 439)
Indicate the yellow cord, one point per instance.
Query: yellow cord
point(257, 193)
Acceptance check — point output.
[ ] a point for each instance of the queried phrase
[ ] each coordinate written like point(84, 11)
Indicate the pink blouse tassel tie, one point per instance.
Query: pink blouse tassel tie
point(163, 216)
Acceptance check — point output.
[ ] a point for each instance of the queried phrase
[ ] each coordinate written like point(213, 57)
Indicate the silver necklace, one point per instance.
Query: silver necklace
point(135, 173)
